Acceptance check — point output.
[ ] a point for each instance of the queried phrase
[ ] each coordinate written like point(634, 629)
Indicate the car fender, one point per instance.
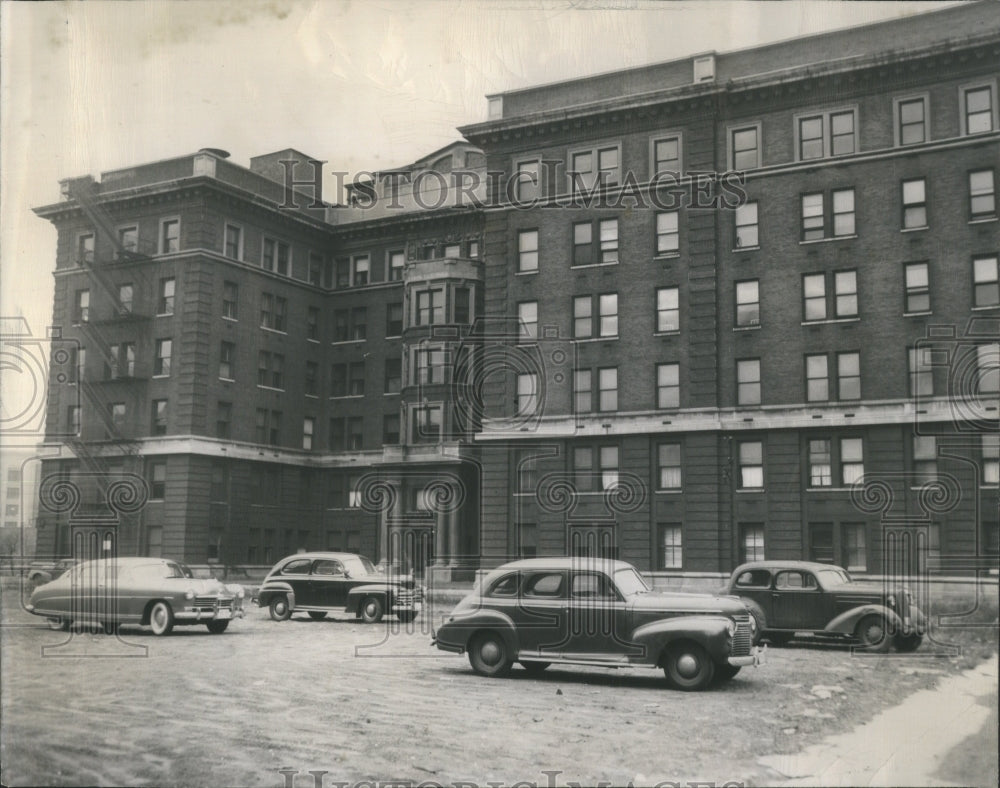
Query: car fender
point(272, 588)
point(847, 621)
point(458, 630)
point(711, 632)
point(356, 594)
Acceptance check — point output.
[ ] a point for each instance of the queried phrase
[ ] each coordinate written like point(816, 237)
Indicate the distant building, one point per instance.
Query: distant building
point(18, 501)
point(599, 347)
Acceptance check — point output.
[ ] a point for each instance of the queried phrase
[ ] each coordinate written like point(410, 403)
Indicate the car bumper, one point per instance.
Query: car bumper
point(755, 658)
point(220, 614)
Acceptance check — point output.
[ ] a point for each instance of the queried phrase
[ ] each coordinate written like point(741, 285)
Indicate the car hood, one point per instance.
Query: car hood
point(872, 589)
point(679, 602)
point(200, 586)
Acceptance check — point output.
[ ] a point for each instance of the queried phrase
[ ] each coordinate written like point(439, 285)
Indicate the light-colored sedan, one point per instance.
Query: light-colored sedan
point(154, 592)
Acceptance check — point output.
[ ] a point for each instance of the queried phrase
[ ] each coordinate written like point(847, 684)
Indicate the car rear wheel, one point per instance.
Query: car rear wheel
point(406, 616)
point(873, 634)
point(907, 643)
point(371, 609)
point(488, 655)
point(317, 615)
point(280, 609)
point(688, 667)
point(726, 671)
point(535, 668)
point(161, 618)
point(217, 627)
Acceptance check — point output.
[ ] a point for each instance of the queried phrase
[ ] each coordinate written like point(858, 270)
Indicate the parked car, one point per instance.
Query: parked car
point(321, 583)
point(581, 611)
point(41, 572)
point(153, 592)
point(787, 597)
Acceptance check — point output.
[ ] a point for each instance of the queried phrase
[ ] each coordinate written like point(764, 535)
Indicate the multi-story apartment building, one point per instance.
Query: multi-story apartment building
point(681, 311)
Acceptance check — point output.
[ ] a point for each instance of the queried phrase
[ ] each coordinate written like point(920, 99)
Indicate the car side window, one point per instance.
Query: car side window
point(794, 581)
point(328, 567)
point(505, 586)
point(754, 578)
point(591, 586)
point(549, 584)
point(300, 567)
point(808, 581)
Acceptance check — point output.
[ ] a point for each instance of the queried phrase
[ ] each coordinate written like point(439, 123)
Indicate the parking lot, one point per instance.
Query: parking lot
point(268, 702)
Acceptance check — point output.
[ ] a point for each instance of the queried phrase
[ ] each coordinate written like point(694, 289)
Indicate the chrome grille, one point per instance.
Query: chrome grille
point(743, 639)
point(212, 602)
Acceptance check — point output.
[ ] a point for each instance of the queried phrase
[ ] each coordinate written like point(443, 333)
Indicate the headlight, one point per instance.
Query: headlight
point(189, 594)
point(240, 594)
point(891, 600)
point(753, 624)
point(731, 627)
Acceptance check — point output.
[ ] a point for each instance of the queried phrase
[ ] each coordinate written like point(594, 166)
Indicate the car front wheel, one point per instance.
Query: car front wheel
point(406, 616)
point(317, 615)
point(488, 655)
point(908, 643)
point(726, 671)
point(873, 635)
point(688, 667)
point(371, 609)
point(161, 619)
point(217, 627)
point(280, 609)
point(535, 668)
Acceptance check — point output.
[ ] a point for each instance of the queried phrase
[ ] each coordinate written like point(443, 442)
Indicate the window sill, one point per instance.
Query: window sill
point(588, 340)
point(832, 320)
point(155, 377)
point(345, 396)
point(230, 319)
point(676, 333)
point(914, 229)
point(591, 265)
point(985, 308)
point(312, 396)
point(393, 336)
point(829, 488)
point(747, 328)
point(164, 314)
point(270, 388)
point(739, 249)
point(390, 393)
point(917, 314)
point(274, 330)
point(671, 491)
point(828, 240)
point(313, 340)
point(526, 273)
point(227, 380)
point(740, 491)
point(347, 341)
point(984, 220)
point(664, 257)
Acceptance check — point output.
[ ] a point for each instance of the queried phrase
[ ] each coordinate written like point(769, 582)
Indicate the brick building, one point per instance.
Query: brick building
point(680, 312)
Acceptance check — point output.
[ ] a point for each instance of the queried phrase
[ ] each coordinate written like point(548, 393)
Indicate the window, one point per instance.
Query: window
point(751, 465)
point(982, 195)
point(337, 435)
point(355, 433)
point(744, 145)
point(338, 380)
point(125, 298)
point(159, 417)
point(918, 294)
point(747, 303)
point(595, 168)
point(312, 323)
point(275, 256)
point(341, 325)
point(473, 249)
point(430, 364)
point(527, 394)
point(161, 361)
point(430, 307)
point(529, 180)
point(914, 204)
point(583, 323)
point(462, 305)
point(843, 212)
point(397, 263)
point(73, 419)
point(170, 236)
point(315, 274)
point(987, 370)
point(921, 372)
point(361, 268)
point(311, 382)
point(390, 429)
point(668, 463)
point(607, 398)
point(852, 466)
point(223, 419)
point(986, 287)
point(668, 386)
point(583, 243)
point(359, 323)
point(748, 381)
point(81, 311)
point(117, 412)
point(991, 459)
point(527, 251)
point(814, 218)
point(924, 459)
point(826, 134)
point(120, 361)
point(670, 547)
point(817, 379)
point(608, 458)
point(845, 289)
point(227, 361)
point(751, 542)
point(668, 313)
point(848, 376)
point(427, 422)
point(343, 265)
point(854, 547)
point(394, 319)
point(845, 296)
point(527, 315)
point(230, 299)
point(267, 426)
point(978, 113)
point(584, 252)
point(820, 466)
point(158, 481)
point(270, 370)
point(746, 226)
point(393, 375)
point(608, 310)
point(78, 364)
point(273, 310)
point(582, 392)
point(911, 121)
point(609, 240)
point(85, 249)
point(666, 154)
point(233, 244)
point(356, 381)
point(667, 233)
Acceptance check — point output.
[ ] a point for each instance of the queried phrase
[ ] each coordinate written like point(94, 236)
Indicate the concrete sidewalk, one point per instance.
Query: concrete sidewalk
point(904, 745)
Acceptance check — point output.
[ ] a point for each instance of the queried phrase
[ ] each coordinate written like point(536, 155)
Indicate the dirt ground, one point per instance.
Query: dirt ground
point(267, 702)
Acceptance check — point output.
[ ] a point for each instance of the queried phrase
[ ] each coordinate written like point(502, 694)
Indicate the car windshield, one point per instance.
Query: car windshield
point(172, 569)
point(359, 566)
point(630, 582)
point(833, 577)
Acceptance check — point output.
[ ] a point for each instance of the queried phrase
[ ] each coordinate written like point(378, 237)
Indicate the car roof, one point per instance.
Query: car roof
point(814, 566)
point(132, 560)
point(320, 555)
point(566, 562)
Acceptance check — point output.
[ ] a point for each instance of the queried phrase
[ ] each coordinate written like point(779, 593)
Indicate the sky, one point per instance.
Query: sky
point(94, 86)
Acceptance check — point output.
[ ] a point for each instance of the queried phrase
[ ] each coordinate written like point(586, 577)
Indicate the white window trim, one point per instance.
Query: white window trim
point(159, 239)
point(660, 136)
point(277, 240)
point(592, 149)
point(989, 83)
point(827, 132)
point(226, 224)
point(926, 98)
point(729, 143)
point(532, 159)
point(118, 232)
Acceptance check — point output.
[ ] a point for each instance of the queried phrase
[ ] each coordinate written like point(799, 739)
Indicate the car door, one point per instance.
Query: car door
point(597, 617)
point(755, 585)
point(540, 614)
point(296, 574)
point(796, 601)
point(327, 584)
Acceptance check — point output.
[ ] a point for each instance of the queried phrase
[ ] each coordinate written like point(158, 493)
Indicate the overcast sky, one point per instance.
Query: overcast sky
point(89, 87)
